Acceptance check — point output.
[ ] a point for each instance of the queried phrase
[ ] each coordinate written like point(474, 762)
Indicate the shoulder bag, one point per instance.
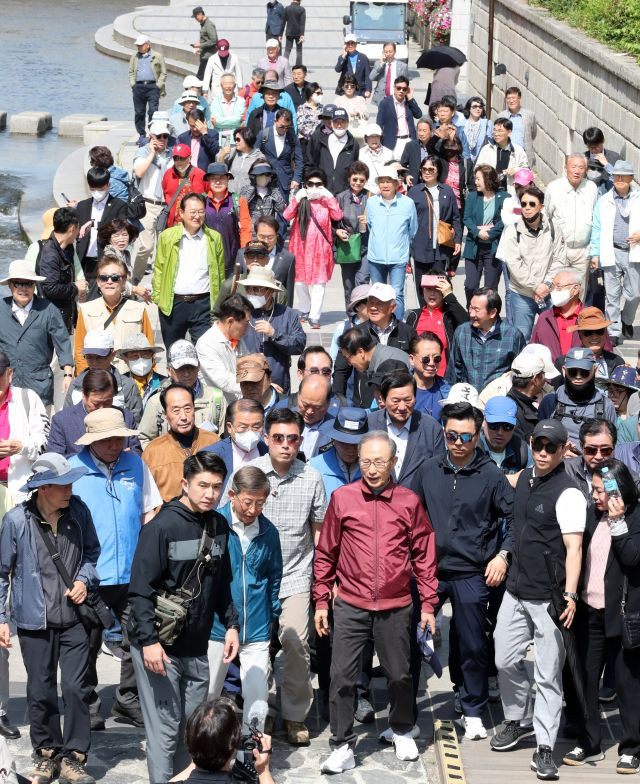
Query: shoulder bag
point(446, 235)
point(136, 206)
point(160, 223)
point(630, 622)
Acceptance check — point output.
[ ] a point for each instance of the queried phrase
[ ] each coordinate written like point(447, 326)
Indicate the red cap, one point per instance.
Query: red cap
point(223, 46)
point(181, 151)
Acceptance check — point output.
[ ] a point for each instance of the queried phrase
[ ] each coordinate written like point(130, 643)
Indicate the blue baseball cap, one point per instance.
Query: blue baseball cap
point(340, 114)
point(501, 409)
point(428, 650)
point(327, 110)
point(582, 358)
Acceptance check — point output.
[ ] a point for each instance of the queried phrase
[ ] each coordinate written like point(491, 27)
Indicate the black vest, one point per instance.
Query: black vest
point(536, 530)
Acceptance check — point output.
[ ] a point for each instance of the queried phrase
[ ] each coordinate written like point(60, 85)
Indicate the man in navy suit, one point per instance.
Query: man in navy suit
point(312, 403)
point(396, 116)
point(353, 62)
point(280, 146)
point(203, 142)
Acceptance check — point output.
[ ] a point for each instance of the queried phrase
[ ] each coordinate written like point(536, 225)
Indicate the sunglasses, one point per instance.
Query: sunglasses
point(578, 373)
point(427, 360)
point(538, 445)
point(354, 178)
point(314, 371)
point(109, 278)
point(279, 438)
point(453, 437)
point(587, 332)
point(314, 184)
point(506, 426)
point(402, 89)
point(476, 106)
point(24, 284)
point(592, 451)
point(529, 204)
point(428, 169)
point(162, 136)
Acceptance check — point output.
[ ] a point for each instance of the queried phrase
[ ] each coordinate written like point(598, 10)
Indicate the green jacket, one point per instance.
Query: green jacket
point(166, 266)
point(208, 38)
point(158, 66)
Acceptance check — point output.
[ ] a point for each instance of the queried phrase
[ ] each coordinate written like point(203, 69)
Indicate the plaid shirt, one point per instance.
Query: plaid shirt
point(297, 501)
point(478, 362)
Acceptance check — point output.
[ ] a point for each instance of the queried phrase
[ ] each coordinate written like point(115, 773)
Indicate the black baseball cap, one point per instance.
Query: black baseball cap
point(197, 10)
point(551, 429)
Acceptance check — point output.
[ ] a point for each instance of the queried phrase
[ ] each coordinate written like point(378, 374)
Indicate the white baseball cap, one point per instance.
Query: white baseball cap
point(98, 341)
point(191, 81)
point(382, 291)
point(272, 42)
point(463, 393)
point(527, 365)
point(350, 37)
point(372, 129)
point(142, 39)
point(159, 126)
point(538, 350)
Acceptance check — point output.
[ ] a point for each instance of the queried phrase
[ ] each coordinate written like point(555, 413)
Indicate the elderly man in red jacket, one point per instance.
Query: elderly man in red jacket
point(374, 536)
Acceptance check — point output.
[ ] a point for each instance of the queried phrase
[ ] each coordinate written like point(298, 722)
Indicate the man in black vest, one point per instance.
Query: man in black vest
point(549, 515)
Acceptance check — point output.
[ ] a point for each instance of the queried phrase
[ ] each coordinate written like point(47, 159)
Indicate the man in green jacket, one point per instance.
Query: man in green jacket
point(147, 77)
point(188, 273)
point(208, 39)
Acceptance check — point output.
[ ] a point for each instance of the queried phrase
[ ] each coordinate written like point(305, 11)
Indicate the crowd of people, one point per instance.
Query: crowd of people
point(200, 523)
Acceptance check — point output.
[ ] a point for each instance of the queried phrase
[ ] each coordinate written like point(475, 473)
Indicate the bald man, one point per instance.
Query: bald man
point(312, 401)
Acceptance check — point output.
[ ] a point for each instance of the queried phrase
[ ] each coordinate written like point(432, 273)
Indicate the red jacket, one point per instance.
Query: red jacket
point(371, 544)
point(170, 181)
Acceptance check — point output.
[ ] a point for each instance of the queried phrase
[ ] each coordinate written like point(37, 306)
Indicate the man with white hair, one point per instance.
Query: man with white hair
point(274, 61)
point(569, 203)
point(552, 327)
point(227, 109)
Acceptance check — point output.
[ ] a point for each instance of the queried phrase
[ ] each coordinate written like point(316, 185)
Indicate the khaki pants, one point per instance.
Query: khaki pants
point(296, 690)
point(578, 260)
point(146, 240)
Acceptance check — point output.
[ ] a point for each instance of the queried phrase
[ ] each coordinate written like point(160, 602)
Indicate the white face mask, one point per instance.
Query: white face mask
point(340, 132)
point(99, 195)
point(592, 174)
point(257, 300)
point(560, 297)
point(262, 180)
point(248, 440)
point(314, 193)
point(141, 366)
point(316, 98)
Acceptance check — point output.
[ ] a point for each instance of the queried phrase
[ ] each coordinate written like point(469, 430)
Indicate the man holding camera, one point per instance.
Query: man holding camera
point(180, 578)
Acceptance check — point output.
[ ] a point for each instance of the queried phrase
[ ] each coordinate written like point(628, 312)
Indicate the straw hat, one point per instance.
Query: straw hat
point(104, 423)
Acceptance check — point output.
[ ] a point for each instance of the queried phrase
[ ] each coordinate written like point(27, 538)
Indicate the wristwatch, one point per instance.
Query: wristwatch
point(570, 595)
point(506, 557)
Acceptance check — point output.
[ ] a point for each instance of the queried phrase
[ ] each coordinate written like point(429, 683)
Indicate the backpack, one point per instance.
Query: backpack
point(562, 410)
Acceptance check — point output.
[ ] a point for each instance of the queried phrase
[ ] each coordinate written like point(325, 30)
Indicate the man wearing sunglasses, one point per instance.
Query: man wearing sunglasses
point(577, 399)
point(591, 327)
point(549, 518)
point(598, 438)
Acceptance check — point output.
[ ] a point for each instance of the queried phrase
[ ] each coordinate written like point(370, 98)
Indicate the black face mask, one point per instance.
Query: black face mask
point(580, 393)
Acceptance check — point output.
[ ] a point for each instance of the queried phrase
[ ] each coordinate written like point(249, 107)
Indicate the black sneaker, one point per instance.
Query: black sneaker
point(627, 330)
point(129, 714)
point(509, 735)
point(607, 694)
point(628, 764)
point(543, 764)
point(578, 756)
point(364, 712)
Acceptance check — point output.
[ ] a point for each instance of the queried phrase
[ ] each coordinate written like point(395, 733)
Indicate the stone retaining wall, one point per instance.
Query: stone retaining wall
point(568, 79)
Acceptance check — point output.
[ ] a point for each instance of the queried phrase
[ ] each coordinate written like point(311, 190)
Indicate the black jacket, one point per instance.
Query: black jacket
point(295, 17)
point(453, 314)
point(526, 415)
point(401, 335)
point(466, 509)
point(624, 559)
point(165, 554)
point(422, 245)
point(293, 91)
point(318, 154)
point(115, 208)
point(56, 265)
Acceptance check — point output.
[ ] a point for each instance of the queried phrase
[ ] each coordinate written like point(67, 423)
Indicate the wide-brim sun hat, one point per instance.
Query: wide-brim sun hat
point(21, 269)
point(52, 469)
point(104, 423)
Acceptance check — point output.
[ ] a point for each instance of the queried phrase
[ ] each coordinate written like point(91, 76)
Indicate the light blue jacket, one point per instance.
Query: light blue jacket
point(256, 581)
point(332, 474)
point(391, 229)
point(116, 508)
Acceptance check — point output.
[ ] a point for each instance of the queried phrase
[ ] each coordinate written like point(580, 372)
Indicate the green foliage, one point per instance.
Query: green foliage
point(613, 22)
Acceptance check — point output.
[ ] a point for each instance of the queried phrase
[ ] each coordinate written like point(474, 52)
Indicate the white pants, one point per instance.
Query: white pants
point(146, 241)
point(621, 279)
point(310, 299)
point(255, 667)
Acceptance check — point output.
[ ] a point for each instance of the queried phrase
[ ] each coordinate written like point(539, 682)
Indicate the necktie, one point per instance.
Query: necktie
point(387, 84)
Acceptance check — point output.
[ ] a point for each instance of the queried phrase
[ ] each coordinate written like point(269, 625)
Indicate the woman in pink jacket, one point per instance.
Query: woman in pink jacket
point(312, 210)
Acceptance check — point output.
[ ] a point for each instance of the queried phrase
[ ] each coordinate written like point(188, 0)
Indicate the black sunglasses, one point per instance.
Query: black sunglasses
point(109, 278)
point(529, 204)
point(578, 373)
point(538, 445)
point(506, 426)
point(587, 332)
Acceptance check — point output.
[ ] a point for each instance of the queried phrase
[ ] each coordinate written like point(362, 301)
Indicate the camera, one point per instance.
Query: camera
point(244, 768)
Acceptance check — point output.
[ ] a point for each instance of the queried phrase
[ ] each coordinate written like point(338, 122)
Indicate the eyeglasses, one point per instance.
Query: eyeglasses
point(453, 437)
point(355, 178)
point(430, 360)
point(592, 451)
point(110, 278)
point(529, 204)
point(578, 373)
point(587, 332)
point(476, 106)
point(378, 463)
point(506, 426)
point(538, 445)
point(314, 371)
point(402, 89)
point(428, 169)
point(279, 438)
point(195, 213)
point(24, 284)
point(314, 184)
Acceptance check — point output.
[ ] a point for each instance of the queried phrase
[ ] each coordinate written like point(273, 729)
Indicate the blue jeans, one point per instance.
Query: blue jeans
point(523, 312)
point(394, 274)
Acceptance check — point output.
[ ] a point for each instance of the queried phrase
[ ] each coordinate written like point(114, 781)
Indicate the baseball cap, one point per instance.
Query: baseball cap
point(191, 81)
point(340, 114)
point(538, 350)
point(181, 151)
point(427, 649)
point(387, 171)
point(182, 353)
point(197, 10)
point(372, 129)
point(142, 39)
point(223, 46)
point(251, 367)
point(527, 365)
point(328, 110)
point(553, 429)
point(387, 368)
point(350, 37)
point(523, 177)
point(580, 358)
point(501, 409)
point(463, 393)
point(98, 341)
point(158, 126)
point(271, 43)
point(382, 291)
point(256, 248)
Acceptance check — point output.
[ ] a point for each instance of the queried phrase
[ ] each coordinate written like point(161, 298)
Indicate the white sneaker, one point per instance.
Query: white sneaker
point(386, 736)
point(474, 728)
point(406, 748)
point(339, 760)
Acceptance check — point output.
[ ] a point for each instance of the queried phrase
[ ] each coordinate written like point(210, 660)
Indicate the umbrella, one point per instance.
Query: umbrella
point(441, 57)
point(556, 608)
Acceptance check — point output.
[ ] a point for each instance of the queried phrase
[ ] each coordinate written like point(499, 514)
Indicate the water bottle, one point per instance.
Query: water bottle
point(610, 485)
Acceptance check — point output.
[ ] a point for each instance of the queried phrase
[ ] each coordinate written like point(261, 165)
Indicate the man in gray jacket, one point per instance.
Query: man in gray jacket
point(385, 71)
point(524, 122)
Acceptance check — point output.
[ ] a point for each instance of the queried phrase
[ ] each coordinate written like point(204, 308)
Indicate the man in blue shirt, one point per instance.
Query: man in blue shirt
point(425, 353)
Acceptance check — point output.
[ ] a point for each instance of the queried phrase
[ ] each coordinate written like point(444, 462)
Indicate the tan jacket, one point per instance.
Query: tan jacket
point(532, 258)
point(158, 66)
point(165, 458)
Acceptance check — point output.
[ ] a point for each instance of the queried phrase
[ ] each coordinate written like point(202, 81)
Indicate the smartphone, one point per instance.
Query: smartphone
point(429, 280)
point(65, 197)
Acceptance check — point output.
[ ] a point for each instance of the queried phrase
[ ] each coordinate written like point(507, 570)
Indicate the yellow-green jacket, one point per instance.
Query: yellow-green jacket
point(158, 67)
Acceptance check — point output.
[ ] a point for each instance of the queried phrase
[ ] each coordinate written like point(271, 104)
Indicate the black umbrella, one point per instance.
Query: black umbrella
point(556, 608)
point(441, 57)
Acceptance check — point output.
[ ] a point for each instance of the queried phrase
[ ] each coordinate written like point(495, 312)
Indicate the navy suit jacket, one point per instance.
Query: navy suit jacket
point(115, 208)
point(425, 441)
point(287, 165)
point(68, 425)
point(388, 120)
point(209, 147)
point(343, 67)
point(223, 449)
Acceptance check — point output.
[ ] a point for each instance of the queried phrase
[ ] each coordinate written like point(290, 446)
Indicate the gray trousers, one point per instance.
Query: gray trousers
point(621, 279)
point(167, 701)
point(520, 623)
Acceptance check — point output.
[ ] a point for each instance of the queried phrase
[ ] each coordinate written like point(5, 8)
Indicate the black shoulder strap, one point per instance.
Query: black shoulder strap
point(55, 555)
point(115, 312)
point(191, 586)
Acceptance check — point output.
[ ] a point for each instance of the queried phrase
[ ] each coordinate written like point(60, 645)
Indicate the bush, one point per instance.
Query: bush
point(613, 22)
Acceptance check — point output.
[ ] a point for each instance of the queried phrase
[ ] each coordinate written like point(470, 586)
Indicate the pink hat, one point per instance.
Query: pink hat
point(523, 177)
